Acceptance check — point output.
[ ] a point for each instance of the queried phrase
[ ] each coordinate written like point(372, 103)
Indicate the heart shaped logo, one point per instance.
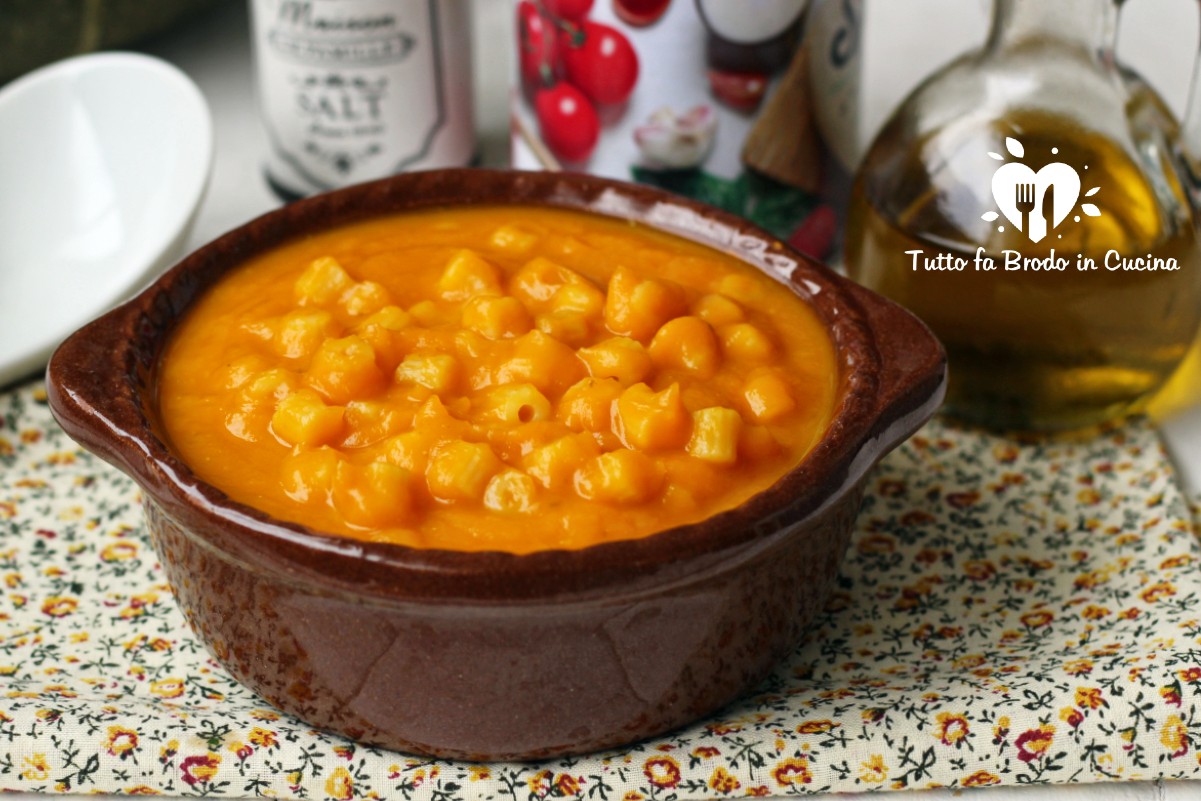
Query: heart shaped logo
point(1036, 202)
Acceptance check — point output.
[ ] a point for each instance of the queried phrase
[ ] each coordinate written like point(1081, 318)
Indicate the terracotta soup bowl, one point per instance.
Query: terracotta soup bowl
point(491, 655)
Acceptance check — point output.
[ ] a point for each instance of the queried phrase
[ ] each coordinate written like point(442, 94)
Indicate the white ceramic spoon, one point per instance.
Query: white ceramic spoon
point(104, 159)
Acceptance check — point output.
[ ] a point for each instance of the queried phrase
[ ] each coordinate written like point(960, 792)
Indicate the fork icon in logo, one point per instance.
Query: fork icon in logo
point(1024, 201)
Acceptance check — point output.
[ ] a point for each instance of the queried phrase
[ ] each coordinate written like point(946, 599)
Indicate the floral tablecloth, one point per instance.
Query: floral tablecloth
point(1007, 614)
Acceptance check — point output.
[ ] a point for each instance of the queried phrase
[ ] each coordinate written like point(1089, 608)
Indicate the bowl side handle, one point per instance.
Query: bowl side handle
point(913, 366)
point(94, 387)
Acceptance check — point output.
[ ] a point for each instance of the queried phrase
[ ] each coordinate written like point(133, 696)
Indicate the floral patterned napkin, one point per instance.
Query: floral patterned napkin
point(1007, 614)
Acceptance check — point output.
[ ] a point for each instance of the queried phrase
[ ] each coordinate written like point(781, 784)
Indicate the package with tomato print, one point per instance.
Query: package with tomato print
point(749, 105)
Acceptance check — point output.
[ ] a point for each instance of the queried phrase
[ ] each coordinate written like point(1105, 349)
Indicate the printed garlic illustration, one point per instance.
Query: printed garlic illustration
point(677, 141)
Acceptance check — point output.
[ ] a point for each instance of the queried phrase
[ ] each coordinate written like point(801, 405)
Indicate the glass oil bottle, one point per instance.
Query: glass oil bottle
point(1033, 203)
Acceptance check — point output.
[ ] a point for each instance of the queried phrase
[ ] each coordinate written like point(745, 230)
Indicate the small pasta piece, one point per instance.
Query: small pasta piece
point(241, 370)
point(432, 340)
point(458, 407)
point(436, 372)
point(513, 404)
point(543, 361)
point(322, 283)
point(715, 434)
point(369, 422)
point(686, 343)
point(700, 478)
point(250, 417)
point(621, 476)
point(460, 471)
point(580, 297)
point(409, 450)
point(679, 499)
point(718, 310)
point(389, 318)
point(496, 318)
point(587, 404)
point(744, 288)
point(621, 358)
point(511, 492)
point(302, 418)
point(745, 342)
point(308, 476)
point(375, 495)
point(554, 465)
point(651, 421)
point(470, 345)
point(296, 335)
point(382, 332)
point(427, 313)
point(569, 327)
point(345, 369)
point(269, 386)
point(468, 275)
point(637, 307)
point(436, 421)
point(249, 422)
point(539, 280)
point(514, 443)
point(301, 334)
point(768, 396)
point(512, 240)
point(364, 298)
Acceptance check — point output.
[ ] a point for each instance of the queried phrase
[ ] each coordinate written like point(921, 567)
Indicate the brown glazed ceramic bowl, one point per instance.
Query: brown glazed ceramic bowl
point(494, 655)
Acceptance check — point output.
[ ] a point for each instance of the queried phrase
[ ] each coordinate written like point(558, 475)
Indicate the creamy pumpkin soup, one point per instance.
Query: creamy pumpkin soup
point(515, 379)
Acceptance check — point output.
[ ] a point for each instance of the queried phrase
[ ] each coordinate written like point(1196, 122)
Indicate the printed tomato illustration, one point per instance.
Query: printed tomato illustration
point(535, 45)
point(640, 13)
point(573, 10)
point(741, 91)
point(567, 120)
point(600, 61)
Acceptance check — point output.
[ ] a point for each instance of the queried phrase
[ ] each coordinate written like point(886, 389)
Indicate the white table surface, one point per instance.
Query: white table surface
point(215, 51)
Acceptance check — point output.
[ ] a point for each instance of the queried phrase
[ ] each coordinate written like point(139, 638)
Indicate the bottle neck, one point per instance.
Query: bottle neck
point(1089, 26)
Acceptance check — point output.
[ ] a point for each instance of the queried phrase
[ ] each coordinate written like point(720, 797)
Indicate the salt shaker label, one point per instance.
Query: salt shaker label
point(352, 90)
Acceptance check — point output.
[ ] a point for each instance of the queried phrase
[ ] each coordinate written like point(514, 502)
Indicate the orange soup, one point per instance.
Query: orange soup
point(514, 379)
